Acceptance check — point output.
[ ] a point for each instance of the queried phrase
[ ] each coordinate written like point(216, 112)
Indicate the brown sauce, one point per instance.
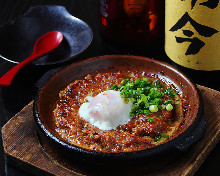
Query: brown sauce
point(138, 134)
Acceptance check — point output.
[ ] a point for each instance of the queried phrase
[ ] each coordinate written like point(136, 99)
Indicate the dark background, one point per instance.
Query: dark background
point(14, 98)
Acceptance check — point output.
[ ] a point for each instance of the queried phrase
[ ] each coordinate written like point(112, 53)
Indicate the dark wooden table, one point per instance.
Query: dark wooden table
point(14, 98)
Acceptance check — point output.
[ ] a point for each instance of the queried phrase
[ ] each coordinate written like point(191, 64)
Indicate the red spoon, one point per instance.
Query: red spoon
point(43, 45)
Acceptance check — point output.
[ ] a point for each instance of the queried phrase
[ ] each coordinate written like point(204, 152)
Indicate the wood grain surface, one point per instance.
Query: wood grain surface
point(23, 149)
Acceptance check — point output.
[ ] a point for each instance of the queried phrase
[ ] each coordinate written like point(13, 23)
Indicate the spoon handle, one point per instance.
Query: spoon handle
point(6, 79)
point(43, 45)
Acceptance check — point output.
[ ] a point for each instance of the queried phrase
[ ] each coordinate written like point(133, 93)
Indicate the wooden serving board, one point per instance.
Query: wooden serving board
point(23, 149)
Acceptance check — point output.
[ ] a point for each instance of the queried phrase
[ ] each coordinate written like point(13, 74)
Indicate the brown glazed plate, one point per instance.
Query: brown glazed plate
point(48, 94)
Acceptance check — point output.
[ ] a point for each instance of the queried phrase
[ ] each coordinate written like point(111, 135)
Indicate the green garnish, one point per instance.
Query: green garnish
point(124, 81)
point(126, 100)
point(169, 107)
point(153, 108)
point(162, 135)
point(146, 96)
point(167, 102)
point(150, 119)
point(157, 138)
point(146, 112)
point(114, 87)
point(177, 105)
point(169, 92)
point(157, 83)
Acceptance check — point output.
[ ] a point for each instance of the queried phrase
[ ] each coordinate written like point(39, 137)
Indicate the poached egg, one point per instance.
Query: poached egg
point(106, 110)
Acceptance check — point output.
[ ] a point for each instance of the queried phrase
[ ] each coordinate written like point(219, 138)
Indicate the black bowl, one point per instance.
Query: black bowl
point(19, 35)
point(193, 124)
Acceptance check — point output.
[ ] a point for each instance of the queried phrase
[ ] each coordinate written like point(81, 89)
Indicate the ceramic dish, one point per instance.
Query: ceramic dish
point(18, 36)
point(194, 125)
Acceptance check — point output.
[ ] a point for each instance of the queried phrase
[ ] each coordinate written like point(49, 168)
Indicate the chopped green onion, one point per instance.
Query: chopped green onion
point(167, 102)
point(153, 108)
point(150, 119)
point(164, 135)
point(144, 97)
point(157, 138)
point(169, 107)
point(138, 81)
point(157, 83)
point(145, 79)
point(126, 100)
point(146, 112)
point(146, 105)
point(147, 97)
point(114, 87)
point(125, 81)
point(160, 107)
point(177, 105)
point(156, 101)
point(132, 114)
point(169, 92)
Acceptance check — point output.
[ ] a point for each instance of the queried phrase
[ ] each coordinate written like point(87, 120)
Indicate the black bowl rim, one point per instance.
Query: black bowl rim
point(61, 61)
point(174, 144)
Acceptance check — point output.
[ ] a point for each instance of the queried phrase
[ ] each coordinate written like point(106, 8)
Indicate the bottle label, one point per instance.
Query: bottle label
point(192, 33)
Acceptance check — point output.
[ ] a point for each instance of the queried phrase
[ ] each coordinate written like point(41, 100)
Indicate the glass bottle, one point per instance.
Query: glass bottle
point(192, 35)
point(132, 22)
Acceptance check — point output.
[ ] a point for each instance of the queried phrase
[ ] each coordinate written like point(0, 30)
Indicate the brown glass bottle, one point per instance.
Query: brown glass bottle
point(132, 22)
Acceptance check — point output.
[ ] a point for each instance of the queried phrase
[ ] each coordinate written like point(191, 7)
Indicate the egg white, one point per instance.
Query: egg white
point(106, 110)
